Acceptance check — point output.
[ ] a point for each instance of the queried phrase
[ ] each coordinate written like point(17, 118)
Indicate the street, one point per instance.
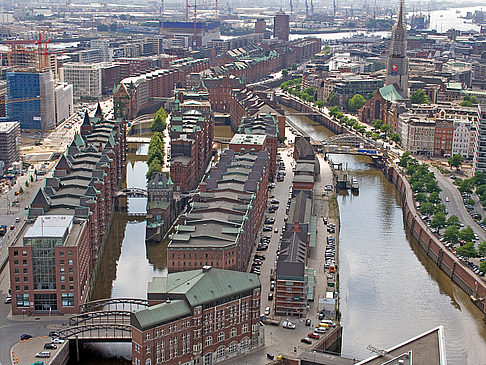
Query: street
point(279, 340)
point(455, 205)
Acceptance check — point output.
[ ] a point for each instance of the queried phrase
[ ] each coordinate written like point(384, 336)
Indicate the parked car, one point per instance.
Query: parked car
point(306, 340)
point(320, 330)
point(288, 324)
point(53, 334)
point(308, 322)
point(8, 300)
point(49, 346)
point(25, 336)
point(315, 336)
point(267, 311)
point(270, 296)
point(57, 341)
point(43, 354)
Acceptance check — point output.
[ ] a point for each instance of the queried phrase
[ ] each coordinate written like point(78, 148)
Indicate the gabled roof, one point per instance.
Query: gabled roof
point(98, 112)
point(86, 120)
point(41, 199)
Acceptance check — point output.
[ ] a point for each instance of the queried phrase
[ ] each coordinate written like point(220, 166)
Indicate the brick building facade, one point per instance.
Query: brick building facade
point(221, 226)
point(200, 316)
point(82, 189)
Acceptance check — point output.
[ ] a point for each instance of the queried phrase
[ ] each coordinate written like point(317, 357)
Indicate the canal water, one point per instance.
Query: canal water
point(389, 290)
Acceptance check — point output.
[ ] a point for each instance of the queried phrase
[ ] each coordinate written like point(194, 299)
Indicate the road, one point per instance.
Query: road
point(455, 205)
point(279, 340)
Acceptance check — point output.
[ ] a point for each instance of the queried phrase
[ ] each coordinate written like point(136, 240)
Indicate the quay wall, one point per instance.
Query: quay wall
point(460, 274)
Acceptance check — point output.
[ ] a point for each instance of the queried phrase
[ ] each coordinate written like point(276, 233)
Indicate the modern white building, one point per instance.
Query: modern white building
point(479, 163)
point(85, 78)
point(64, 102)
point(417, 134)
point(463, 138)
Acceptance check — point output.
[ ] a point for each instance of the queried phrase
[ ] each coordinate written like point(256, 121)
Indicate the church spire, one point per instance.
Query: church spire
point(397, 62)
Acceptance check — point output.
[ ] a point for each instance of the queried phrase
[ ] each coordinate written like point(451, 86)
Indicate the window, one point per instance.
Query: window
point(209, 340)
point(233, 332)
point(221, 336)
point(63, 278)
point(147, 336)
point(70, 262)
point(220, 352)
point(67, 299)
point(70, 253)
point(61, 269)
point(244, 329)
point(147, 349)
point(148, 362)
point(232, 348)
point(22, 300)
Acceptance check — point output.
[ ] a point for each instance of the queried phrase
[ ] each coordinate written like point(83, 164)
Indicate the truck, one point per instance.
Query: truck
point(3, 230)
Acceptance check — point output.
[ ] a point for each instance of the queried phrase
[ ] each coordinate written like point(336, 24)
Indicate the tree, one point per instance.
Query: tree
point(482, 266)
point(467, 250)
point(453, 221)
point(451, 234)
point(456, 161)
point(482, 249)
point(385, 128)
point(404, 160)
point(154, 167)
point(377, 124)
point(320, 104)
point(420, 97)
point(332, 99)
point(293, 66)
point(434, 198)
point(356, 103)
point(333, 112)
point(113, 27)
point(159, 123)
point(285, 72)
point(395, 138)
point(472, 99)
point(438, 221)
point(466, 234)
point(427, 208)
point(467, 104)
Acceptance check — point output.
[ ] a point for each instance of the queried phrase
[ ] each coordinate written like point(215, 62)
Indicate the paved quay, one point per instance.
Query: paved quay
point(278, 340)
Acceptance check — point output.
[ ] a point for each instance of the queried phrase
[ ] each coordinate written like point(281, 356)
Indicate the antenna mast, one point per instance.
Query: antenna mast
point(161, 17)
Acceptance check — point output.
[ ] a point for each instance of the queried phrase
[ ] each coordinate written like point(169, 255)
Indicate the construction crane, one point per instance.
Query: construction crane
point(20, 100)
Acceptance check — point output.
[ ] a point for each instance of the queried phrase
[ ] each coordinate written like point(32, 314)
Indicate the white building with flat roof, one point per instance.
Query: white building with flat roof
point(85, 78)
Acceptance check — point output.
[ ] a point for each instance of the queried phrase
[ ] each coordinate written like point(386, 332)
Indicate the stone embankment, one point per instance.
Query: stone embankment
point(459, 273)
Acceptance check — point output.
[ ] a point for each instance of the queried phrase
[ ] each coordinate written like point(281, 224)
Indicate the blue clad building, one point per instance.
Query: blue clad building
point(38, 111)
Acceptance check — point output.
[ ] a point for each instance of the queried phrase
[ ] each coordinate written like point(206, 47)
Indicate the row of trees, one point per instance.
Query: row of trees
point(156, 152)
point(160, 121)
point(476, 184)
point(426, 193)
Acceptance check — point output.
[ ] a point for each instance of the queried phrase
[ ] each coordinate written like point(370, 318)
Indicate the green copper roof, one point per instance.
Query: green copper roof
point(160, 314)
point(201, 287)
point(390, 93)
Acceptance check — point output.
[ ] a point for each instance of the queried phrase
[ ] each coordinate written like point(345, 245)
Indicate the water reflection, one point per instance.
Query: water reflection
point(387, 295)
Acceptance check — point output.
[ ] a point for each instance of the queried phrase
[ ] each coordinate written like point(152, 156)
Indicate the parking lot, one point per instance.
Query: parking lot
point(280, 340)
